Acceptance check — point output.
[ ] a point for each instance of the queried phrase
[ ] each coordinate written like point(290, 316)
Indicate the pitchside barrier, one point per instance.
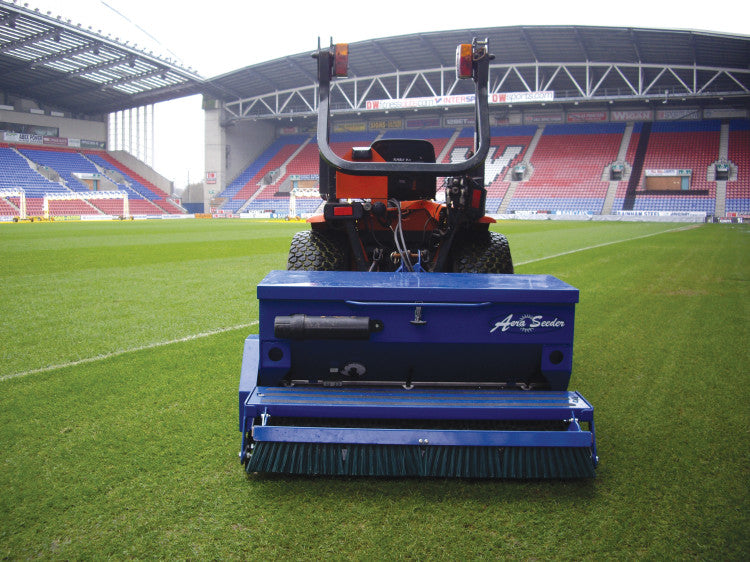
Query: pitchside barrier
point(624, 216)
point(621, 216)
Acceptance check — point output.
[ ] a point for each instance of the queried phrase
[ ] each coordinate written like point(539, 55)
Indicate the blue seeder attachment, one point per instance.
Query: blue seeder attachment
point(406, 374)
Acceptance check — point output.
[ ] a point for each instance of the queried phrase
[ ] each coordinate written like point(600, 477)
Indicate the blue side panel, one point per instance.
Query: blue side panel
point(249, 373)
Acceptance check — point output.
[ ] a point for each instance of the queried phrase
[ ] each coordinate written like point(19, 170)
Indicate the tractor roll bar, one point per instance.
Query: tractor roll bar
point(482, 141)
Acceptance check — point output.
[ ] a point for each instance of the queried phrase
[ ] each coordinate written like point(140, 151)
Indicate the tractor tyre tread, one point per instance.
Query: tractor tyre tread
point(317, 251)
point(482, 252)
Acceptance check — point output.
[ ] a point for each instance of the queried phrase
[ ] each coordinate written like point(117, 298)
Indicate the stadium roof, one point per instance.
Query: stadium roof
point(59, 63)
point(510, 45)
point(605, 59)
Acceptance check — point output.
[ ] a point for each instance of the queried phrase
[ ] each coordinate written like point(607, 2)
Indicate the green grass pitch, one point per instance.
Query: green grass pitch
point(119, 366)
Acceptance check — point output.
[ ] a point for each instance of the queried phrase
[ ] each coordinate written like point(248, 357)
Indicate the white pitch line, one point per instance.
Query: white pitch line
point(229, 329)
point(124, 351)
point(608, 244)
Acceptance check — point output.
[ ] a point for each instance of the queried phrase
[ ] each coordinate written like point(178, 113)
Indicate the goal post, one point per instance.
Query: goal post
point(21, 194)
point(86, 196)
point(305, 192)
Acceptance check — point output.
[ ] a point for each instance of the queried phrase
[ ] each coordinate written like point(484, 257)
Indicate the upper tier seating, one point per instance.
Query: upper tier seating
point(17, 174)
point(64, 163)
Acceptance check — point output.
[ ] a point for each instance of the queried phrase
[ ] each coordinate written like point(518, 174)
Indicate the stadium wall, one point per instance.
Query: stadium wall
point(144, 170)
point(68, 128)
point(245, 141)
point(230, 147)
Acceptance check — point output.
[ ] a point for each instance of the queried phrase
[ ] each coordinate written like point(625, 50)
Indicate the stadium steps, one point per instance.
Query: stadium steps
point(738, 189)
point(514, 184)
point(282, 175)
point(283, 168)
point(139, 185)
point(628, 203)
point(721, 186)
point(245, 184)
point(609, 199)
point(448, 145)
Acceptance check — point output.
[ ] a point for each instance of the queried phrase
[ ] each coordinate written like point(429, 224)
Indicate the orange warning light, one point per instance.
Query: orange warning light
point(341, 59)
point(464, 61)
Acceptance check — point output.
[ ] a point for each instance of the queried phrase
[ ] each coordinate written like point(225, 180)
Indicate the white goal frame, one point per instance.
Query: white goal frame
point(86, 196)
point(6, 193)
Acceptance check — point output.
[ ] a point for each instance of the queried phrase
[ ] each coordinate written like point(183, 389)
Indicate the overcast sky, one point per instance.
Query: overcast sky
point(219, 36)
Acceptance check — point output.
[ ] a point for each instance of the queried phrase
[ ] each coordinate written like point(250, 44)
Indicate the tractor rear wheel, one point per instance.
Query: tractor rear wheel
point(482, 252)
point(318, 251)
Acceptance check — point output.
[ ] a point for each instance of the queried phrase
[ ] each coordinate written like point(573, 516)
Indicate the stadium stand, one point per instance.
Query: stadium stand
point(17, 173)
point(511, 145)
point(144, 197)
point(569, 169)
point(738, 154)
point(508, 147)
point(20, 167)
point(66, 164)
point(244, 186)
point(569, 164)
point(289, 155)
point(75, 207)
point(562, 167)
point(683, 145)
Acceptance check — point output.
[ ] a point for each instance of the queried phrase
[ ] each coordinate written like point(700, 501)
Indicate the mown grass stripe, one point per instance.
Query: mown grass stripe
point(594, 246)
point(125, 351)
point(222, 330)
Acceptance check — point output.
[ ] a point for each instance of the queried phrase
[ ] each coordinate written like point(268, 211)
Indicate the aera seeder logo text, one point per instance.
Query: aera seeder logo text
point(527, 323)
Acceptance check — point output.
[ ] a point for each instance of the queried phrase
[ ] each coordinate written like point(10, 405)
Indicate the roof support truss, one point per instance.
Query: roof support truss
point(585, 81)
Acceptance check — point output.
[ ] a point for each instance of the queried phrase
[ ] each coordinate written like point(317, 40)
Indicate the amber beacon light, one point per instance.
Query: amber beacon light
point(464, 61)
point(341, 59)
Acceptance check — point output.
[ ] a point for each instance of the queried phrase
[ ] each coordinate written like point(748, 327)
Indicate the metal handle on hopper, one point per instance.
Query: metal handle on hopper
point(422, 304)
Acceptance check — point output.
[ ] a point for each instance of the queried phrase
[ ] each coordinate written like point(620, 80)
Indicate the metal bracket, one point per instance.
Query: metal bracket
point(418, 317)
point(574, 425)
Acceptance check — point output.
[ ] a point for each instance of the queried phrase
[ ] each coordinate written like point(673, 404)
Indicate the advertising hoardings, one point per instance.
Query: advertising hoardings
point(632, 115)
point(464, 99)
point(586, 116)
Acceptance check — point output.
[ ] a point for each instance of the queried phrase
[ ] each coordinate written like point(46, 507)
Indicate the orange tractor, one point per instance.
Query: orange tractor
point(367, 364)
point(381, 212)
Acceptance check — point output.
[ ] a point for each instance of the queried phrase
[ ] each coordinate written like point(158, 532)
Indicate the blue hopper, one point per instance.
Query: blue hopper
point(409, 374)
